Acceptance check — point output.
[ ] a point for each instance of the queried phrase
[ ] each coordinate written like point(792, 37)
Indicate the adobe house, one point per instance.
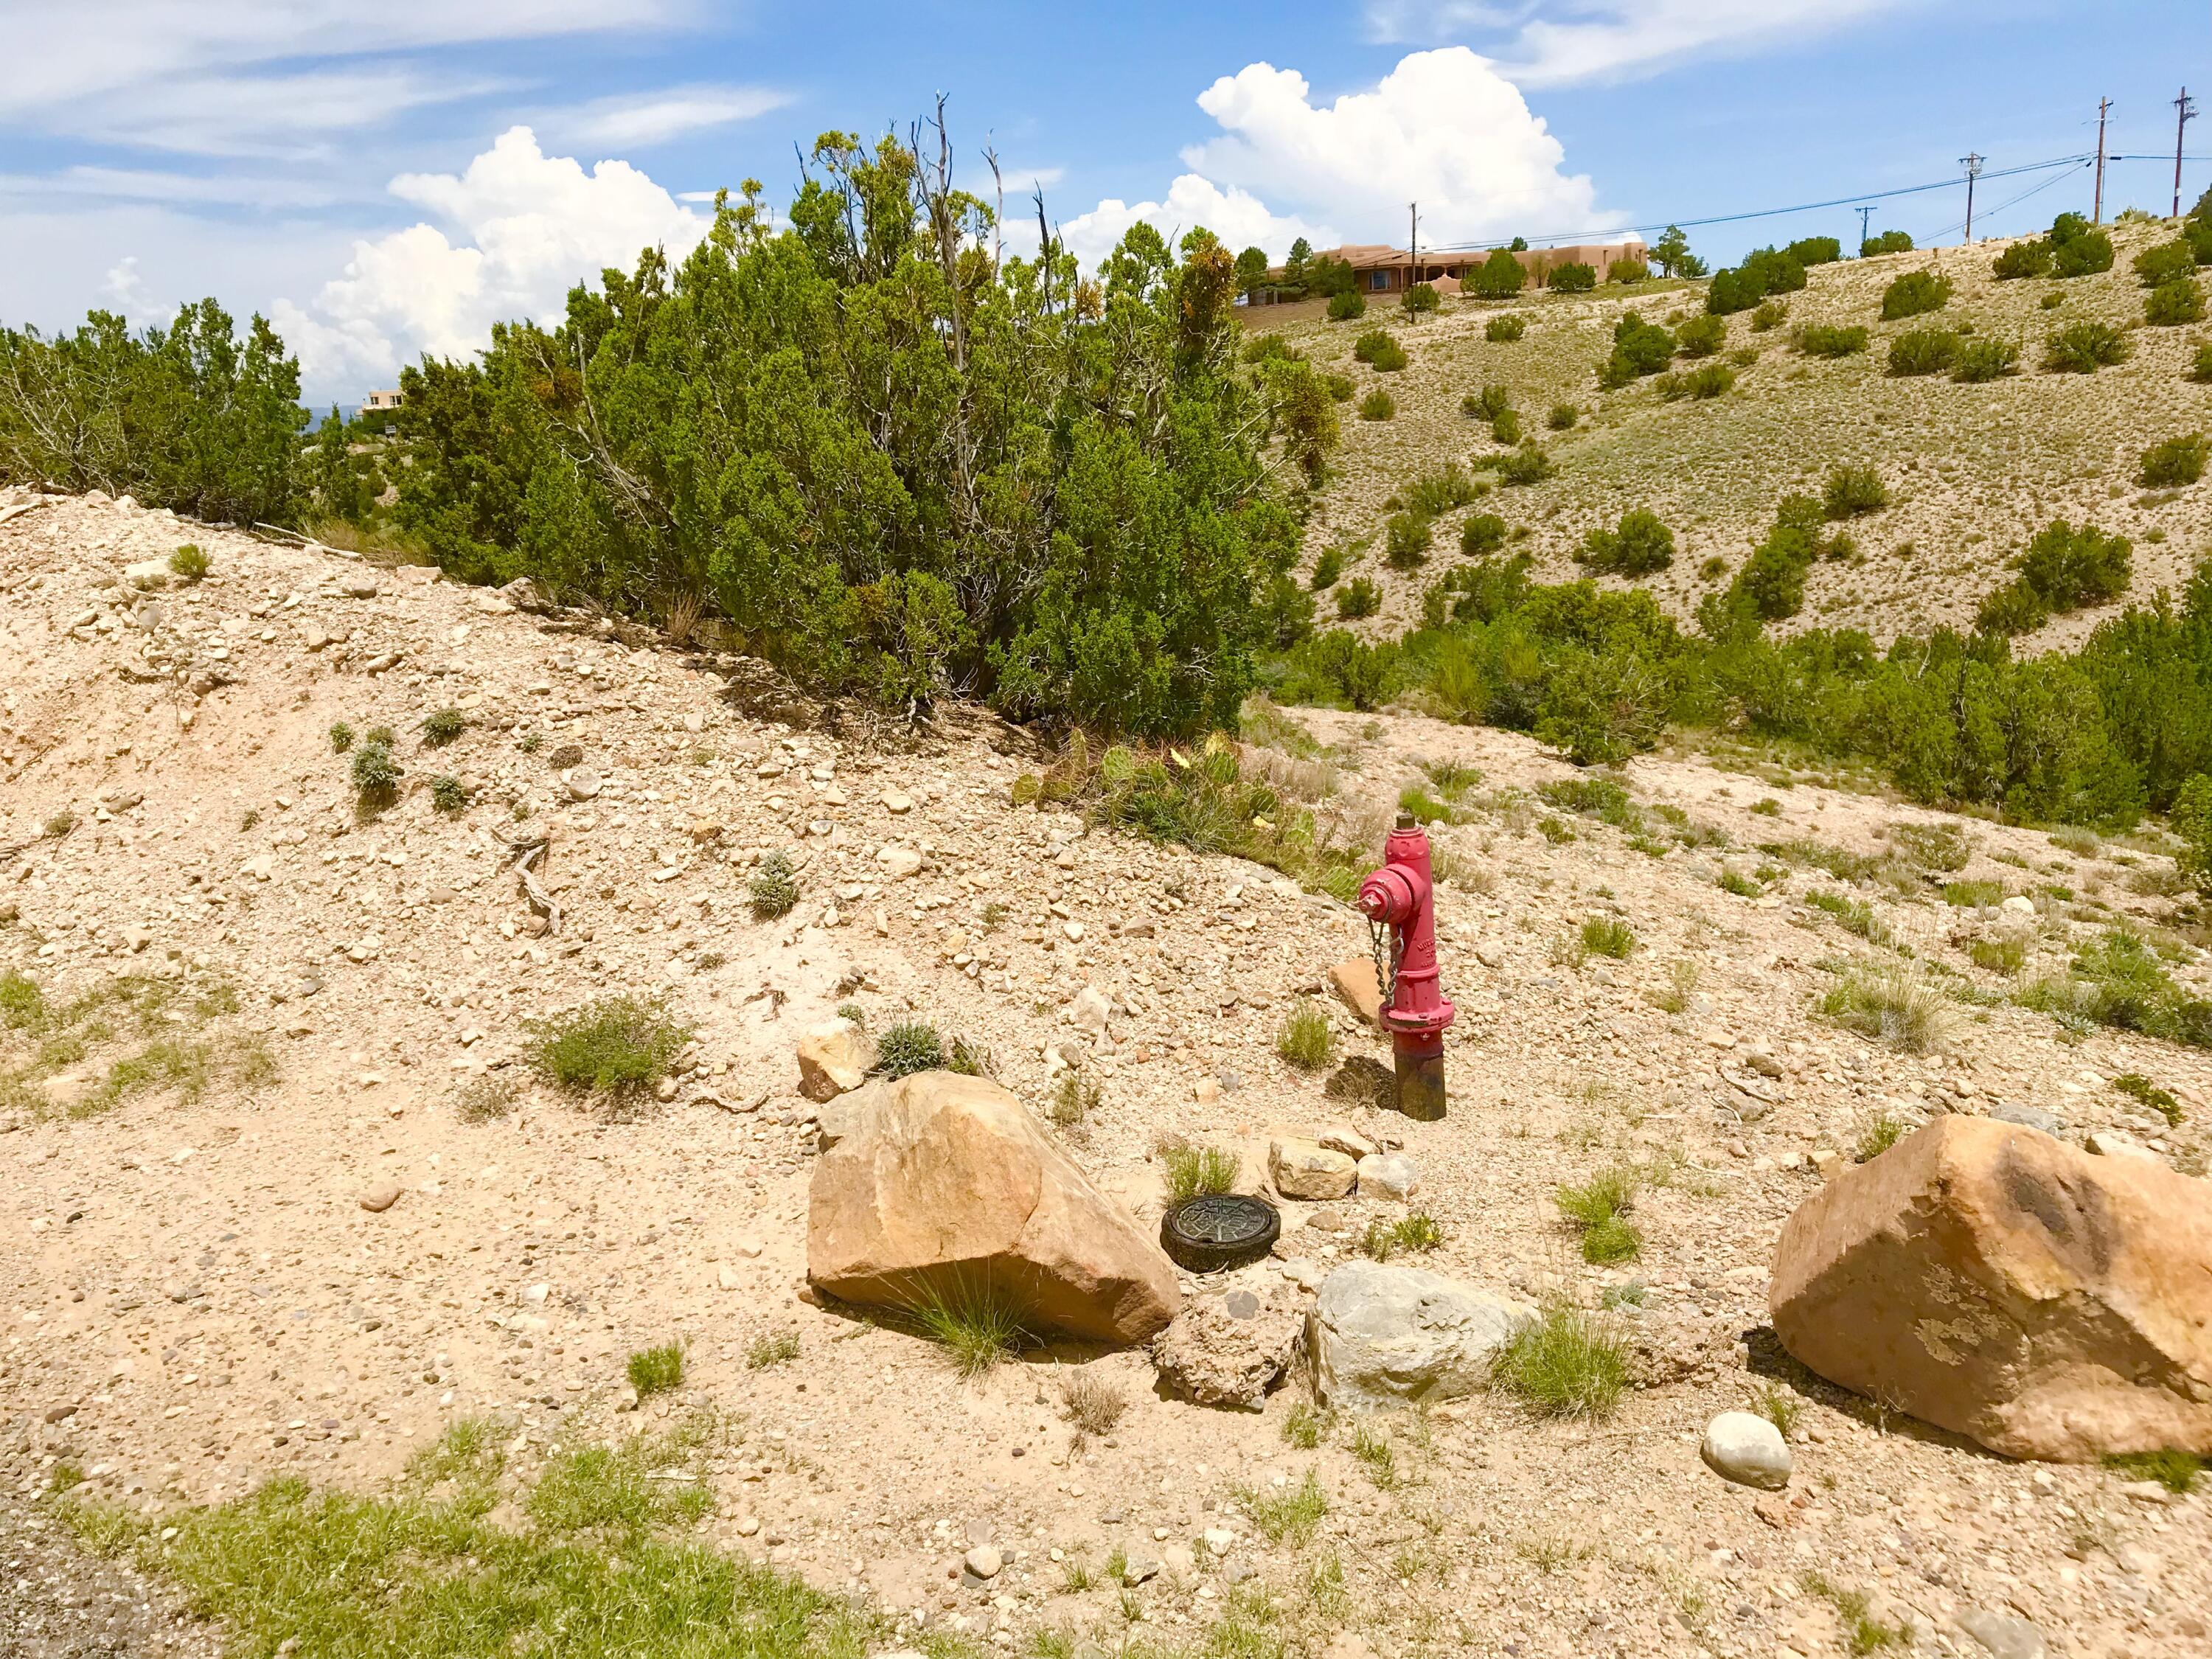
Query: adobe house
point(1379, 268)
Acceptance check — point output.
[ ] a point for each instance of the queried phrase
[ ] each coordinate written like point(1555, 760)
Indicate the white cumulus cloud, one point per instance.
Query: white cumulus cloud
point(1549, 42)
point(1445, 129)
point(505, 238)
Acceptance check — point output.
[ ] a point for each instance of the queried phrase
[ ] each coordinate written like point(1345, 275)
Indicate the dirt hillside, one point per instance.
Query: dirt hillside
point(257, 1004)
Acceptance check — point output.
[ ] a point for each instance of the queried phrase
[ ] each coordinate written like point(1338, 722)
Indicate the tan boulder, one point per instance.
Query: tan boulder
point(1999, 1283)
point(833, 1057)
point(944, 1185)
point(1353, 982)
point(1308, 1170)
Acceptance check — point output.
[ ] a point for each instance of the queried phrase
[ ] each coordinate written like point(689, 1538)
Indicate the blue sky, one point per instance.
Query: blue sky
point(388, 177)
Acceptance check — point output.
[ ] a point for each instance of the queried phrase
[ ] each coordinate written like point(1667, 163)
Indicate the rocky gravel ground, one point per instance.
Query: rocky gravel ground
point(336, 1002)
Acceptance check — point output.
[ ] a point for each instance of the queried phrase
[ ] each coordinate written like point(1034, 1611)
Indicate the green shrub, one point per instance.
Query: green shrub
point(2177, 1471)
point(1506, 429)
point(2119, 981)
point(2192, 821)
point(1628, 270)
point(656, 1370)
point(614, 1046)
point(774, 888)
point(1407, 538)
point(1573, 278)
point(1825, 340)
point(441, 726)
point(1346, 306)
point(1924, 351)
point(1503, 330)
point(1562, 417)
point(910, 1046)
point(2176, 461)
point(1486, 404)
point(1768, 315)
point(1639, 546)
point(1434, 494)
point(2068, 568)
point(1358, 597)
point(189, 563)
point(449, 794)
point(1482, 534)
point(1986, 360)
point(1421, 300)
point(2085, 254)
point(1702, 336)
point(1305, 1039)
point(2141, 1089)
point(974, 1321)
point(1768, 272)
point(1192, 1171)
point(2169, 262)
point(1914, 295)
point(1328, 567)
point(1639, 349)
point(2085, 348)
point(1705, 381)
point(2029, 258)
point(2172, 304)
point(1567, 1363)
point(1528, 465)
point(1380, 348)
point(1852, 491)
point(1378, 406)
point(2199, 365)
point(2011, 609)
point(1499, 277)
point(375, 772)
point(383, 735)
point(1609, 936)
point(1889, 241)
point(1340, 387)
point(1815, 250)
point(1891, 1005)
point(1974, 894)
point(22, 1003)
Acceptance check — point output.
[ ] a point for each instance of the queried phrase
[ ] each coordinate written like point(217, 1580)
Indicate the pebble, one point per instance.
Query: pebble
point(1388, 1174)
point(582, 784)
point(984, 1561)
point(380, 1197)
point(2003, 1634)
point(1746, 1449)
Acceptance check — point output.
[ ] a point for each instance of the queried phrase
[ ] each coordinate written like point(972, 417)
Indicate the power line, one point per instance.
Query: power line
point(2081, 159)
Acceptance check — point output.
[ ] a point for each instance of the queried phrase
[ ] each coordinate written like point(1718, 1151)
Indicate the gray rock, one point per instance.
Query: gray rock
point(2004, 1636)
point(1390, 1175)
point(1222, 1353)
point(984, 1561)
point(1382, 1336)
point(1746, 1449)
point(2028, 1117)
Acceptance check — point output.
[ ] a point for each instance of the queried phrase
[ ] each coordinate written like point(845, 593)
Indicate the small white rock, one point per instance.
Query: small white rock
point(1747, 1450)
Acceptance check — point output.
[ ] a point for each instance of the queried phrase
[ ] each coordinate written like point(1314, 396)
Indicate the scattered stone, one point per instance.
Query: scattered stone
point(2003, 1634)
point(899, 862)
point(1091, 1010)
point(358, 587)
point(2018, 905)
point(983, 1562)
point(1998, 1283)
point(380, 1197)
point(147, 574)
point(1348, 1141)
point(1747, 1450)
point(945, 1184)
point(897, 802)
point(2117, 1143)
point(1344, 1644)
point(1381, 1337)
point(1216, 1355)
point(834, 1057)
point(582, 784)
point(1306, 1170)
point(2028, 1117)
point(1353, 983)
point(1390, 1175)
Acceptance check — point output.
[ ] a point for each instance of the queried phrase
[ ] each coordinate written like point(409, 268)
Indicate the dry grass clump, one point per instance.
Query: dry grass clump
point(1891, 1004)
point(1566, 1362)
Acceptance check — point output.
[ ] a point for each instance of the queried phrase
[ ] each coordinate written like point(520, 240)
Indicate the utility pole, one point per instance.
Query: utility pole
point(1972, 163)
point(2185, 112)
point(1413, 234)
point(2097, 213)
point(1864, 213)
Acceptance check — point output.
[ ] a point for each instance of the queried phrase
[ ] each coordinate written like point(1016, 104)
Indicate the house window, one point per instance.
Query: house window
point(1377, 281)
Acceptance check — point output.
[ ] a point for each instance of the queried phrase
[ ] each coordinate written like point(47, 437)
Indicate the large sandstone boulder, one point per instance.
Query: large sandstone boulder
point(1382, 1337)
point(1997, 1283)
point(941, 1185)
point(833, 1057)
point(1309, 1171)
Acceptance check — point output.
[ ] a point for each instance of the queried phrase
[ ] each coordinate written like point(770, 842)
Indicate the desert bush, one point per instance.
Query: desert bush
point(1639, 348)
point(1340, 387)
point(1889, 241)
point(1358, 597)
point(2171, 305)
point(2168, 262)
point(1503, 330)
point(1562, 417)
point(1305, 1039)
point(1701, 336)
point(1506, 429)
point(1421, 300)
point(974, 1321)
point(2141, 1089)
point(449, 794)
point(1379, 348)
point(2119, 981)
point(1407, 538)
point(1567, 1362)
point(1573, 278)
point(774, 887)
point(2085, 348)
point(341, 737)
point(1986, 360)
point(1766, 272)
point(1482, 534)
point(443, 725)
point(1488, 404)
point(1851, 491)
point(656, 1370)
point(2174, 462)
point(2082, 253)
point(1328, 565)
point(908, 1047)
point(2029, 258)
point(1268, 348)
point(1930, 845)
point(1924, 351)
point(1448, 487)
point(1640, 545)
point(614, 1046)
point(1891, 1005)
point(190, 563)
point(1529, 464)
point(1192, 1171)
point(1378, 406)
point(1826, 340)
point(1609, 936)
point(1346, 306)
point(1628, 270)
point(1768, 315)
point(1915, 294)
point(2192, 822)
point(1499, 277)
point(1815, 250)
point(375, 774)
point(2068, 568)
point(1706, 380)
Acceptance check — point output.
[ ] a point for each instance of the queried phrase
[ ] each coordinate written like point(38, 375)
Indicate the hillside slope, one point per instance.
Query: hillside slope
point(1973, 470)
point(257, 1004)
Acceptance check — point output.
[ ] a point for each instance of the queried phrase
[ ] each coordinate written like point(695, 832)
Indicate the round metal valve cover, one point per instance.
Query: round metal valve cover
point(1216, 1231)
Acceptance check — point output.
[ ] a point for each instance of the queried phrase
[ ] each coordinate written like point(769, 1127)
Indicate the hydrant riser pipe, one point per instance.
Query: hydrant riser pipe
point(1402, 895)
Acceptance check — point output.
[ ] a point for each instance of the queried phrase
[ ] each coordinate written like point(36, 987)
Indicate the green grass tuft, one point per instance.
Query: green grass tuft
point(1192, 1170)
point(1609, 936)
point(614, 1046)
point(656, 1370)
point(770, 1351)
point(910, 1047)
point(774, 888)
point(1305, 1039)
point(977, 1324)
point(2177, 1471)
point(1598, 1207)
point(1566, 1362)
point(1292, 1516)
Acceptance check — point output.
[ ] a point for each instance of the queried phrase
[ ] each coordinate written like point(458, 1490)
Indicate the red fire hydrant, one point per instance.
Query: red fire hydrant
point(1399, 903)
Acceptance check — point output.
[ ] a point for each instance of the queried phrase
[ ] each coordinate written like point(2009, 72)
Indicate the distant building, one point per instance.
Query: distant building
point(1378, 268)
point(377, 400)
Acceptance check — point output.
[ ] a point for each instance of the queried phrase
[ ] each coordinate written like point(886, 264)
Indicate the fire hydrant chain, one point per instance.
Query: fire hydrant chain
point(1399, 903)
